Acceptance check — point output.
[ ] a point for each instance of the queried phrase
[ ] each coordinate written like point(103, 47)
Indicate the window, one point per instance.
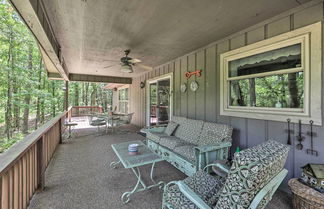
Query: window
point(271, 79)
point(123, 100)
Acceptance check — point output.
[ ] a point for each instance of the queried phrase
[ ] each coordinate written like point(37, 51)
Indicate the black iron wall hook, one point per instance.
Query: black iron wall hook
point(289, 132)
point(312, 134)
point(300, 138)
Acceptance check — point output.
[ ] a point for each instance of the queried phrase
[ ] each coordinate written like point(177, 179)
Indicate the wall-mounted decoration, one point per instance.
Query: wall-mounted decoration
point(183, 87)
point(142, 85)
point(197, 73)
point(194, 86)
point(312, 134)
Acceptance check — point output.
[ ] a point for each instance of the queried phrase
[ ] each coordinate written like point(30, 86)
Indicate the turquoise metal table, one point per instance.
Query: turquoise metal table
point(144, 157)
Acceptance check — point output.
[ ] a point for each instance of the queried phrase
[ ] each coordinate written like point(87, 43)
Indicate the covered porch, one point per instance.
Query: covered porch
point(256, 71)
point(79, 175)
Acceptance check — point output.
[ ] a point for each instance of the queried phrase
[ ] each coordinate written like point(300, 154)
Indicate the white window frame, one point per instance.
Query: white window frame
point(128, 100)
point(310, 39)
point(153, 80)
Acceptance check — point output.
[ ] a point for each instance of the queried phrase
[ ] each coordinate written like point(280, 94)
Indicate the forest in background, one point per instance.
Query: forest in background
point(27, 97)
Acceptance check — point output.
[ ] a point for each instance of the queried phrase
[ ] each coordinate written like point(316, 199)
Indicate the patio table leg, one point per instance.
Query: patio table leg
point(160, 183)
point(125, 197)
point(114, 164)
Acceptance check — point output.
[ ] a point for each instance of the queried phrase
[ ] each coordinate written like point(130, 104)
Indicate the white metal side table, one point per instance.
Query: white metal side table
point(144, 157)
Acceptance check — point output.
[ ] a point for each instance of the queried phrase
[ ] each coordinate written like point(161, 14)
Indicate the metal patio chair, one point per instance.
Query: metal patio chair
point(122, 120)
point(254, 176)
point(98, 120)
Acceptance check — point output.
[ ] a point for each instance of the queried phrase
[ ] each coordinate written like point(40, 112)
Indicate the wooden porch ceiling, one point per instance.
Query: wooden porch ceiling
point(83, 37)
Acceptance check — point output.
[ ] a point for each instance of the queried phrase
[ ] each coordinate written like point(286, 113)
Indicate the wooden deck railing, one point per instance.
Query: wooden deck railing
point(22, 167)
point(85, 110)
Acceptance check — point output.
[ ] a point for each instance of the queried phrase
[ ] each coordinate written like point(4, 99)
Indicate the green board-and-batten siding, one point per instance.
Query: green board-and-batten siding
point(204, 105)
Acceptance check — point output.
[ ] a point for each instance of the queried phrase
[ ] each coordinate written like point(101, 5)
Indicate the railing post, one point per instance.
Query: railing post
point(40, 164)
point(60, 131)
point(0, 192)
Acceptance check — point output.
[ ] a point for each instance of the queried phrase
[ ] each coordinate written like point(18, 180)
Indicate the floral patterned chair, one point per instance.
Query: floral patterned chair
point(254, 176)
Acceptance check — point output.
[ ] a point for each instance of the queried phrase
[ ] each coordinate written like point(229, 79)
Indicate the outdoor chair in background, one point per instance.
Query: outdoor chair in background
point(121, 120)
point(254, 176)
point(98, 120)
point(70, 126)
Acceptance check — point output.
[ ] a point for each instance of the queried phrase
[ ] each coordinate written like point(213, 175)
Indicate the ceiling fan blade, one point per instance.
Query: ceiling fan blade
point(111, 60)
point(134, 61)
point(145, 67)
point(110, 66)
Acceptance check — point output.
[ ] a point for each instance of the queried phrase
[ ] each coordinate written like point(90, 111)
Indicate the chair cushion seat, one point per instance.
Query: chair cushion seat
point(186, 151)
point(171, 142)
point(203, 184)
point(155, 136)
point(98, 122)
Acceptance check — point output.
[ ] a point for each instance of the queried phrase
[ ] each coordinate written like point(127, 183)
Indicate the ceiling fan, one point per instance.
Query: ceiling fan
point(127, 63)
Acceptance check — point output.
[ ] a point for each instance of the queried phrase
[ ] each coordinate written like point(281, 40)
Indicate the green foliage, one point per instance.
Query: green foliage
point(26, 94)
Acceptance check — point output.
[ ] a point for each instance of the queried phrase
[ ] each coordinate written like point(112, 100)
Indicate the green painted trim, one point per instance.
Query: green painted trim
point(209, 148)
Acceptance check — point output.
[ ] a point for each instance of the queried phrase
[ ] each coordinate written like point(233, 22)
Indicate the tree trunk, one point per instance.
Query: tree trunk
point(86, 93)
point(8, 116)
point(16, 108)
point(252, 92)
point(42, 105)
point(53, 99)
point(93, 95)
point(38, 96)
point(293, 90)
point(83, 93)
point(28, 96)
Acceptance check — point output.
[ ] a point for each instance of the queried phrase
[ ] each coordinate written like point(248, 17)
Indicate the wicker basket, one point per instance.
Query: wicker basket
point(305, 197)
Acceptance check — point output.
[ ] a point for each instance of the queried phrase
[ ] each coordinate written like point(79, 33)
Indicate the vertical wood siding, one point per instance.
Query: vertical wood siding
point(204, 103)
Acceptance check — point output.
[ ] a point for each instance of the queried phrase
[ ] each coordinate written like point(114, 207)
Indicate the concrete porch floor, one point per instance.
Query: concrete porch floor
point(79, 176)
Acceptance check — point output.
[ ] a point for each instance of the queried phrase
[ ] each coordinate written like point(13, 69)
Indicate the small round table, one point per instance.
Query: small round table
point(305, 196)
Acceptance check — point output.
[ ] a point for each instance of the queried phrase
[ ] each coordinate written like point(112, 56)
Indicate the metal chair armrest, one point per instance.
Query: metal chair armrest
point(221, 166)
point(192, 196)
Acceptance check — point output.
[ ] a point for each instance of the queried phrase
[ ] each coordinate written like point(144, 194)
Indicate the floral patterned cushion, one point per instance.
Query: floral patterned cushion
point(155, 136)
point(171, 142)
point(189, 130)
point(186, 151)
point(171, 128)
point(201, 183)
point(213, 133)
point(252, 169)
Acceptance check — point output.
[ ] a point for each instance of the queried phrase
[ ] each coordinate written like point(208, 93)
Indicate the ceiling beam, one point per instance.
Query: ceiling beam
point(35, 17)
point(99, 79)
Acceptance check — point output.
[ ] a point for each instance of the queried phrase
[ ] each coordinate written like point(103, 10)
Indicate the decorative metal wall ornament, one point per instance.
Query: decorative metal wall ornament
point(194, 86)
point(289, 131)
point(142, 84)
point(183, 88)
point(300, 137)
point(312, 134)
point(189, 74)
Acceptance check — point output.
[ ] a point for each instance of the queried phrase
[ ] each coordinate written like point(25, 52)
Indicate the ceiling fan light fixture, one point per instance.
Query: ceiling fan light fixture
point(126, 68)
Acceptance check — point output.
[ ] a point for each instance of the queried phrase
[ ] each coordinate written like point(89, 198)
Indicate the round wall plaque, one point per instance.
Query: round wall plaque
point(194, 86)
point(183, 87)
point(142, 85)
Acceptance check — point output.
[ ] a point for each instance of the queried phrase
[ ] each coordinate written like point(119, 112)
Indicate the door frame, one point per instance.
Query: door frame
point(148, 99)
